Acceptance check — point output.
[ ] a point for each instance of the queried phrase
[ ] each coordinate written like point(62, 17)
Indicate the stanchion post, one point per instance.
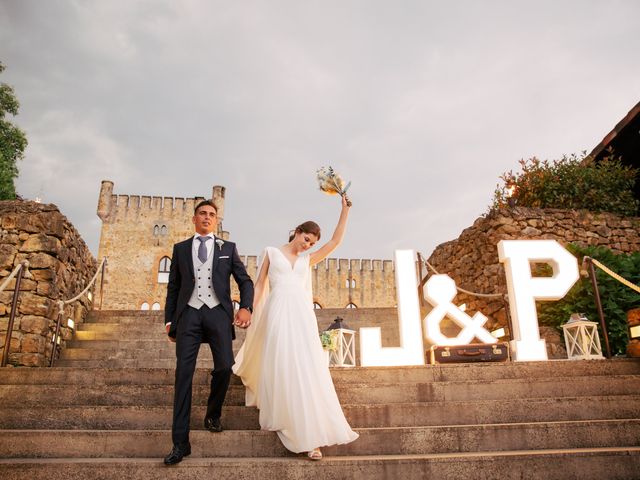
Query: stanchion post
point(420, 283)
point(55, 338)
point(104, 266)
point(596, 295)
point(12, 317)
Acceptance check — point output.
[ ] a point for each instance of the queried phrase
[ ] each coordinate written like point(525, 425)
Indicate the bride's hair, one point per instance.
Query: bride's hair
point(307, 227)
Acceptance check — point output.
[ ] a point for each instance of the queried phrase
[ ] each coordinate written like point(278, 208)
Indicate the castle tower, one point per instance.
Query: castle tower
point(137, 237)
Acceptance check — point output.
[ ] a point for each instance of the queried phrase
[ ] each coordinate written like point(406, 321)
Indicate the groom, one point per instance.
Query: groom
point(199, 310)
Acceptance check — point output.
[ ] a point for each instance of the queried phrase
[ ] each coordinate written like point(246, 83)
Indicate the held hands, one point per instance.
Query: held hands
point(243, 318)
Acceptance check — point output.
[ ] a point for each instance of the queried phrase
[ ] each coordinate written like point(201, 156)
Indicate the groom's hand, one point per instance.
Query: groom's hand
point(167, 327)
point(243, 318)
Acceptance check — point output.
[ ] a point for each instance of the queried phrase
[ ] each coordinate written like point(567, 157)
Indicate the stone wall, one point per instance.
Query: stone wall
point(60, 266)
point(472, 259)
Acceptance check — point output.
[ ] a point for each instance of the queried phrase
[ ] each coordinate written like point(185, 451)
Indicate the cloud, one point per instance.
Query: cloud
point(421, 104)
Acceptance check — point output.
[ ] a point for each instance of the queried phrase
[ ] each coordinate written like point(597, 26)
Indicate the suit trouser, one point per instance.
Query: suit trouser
point(196, 326)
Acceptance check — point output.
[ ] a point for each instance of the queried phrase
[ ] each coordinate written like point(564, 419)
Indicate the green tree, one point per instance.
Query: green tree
point(12, 142)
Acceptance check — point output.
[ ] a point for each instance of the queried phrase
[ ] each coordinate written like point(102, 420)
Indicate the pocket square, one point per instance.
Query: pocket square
point(223, 256)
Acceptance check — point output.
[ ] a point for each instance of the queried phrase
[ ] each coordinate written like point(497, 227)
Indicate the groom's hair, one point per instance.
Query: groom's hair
point(203, 203)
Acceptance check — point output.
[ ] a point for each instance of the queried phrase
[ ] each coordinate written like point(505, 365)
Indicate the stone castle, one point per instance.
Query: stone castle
point(137, 237)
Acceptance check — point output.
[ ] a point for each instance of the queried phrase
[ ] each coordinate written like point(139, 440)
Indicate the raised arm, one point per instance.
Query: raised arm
point(338, 234)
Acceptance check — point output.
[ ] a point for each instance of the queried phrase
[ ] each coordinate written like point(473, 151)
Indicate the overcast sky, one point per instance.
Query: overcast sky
point(421, 104)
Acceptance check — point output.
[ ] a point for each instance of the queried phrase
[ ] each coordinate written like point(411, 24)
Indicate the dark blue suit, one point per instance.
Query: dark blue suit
point(191, 327)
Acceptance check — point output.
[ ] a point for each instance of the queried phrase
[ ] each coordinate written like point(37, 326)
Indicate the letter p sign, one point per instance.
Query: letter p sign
point(524, 289)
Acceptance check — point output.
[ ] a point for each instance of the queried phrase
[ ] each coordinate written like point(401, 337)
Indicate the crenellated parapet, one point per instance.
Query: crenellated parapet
point(138, 232)
point(338, 282)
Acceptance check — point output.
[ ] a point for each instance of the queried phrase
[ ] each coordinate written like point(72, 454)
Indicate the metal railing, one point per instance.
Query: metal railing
point(63, 303)
point(18, 273)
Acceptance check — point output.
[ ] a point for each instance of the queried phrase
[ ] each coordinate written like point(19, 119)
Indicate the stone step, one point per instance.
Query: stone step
point(348, 393)
point(372, 441)
point(426, 373)
point(204, 361)
point(143, 417)
point(372, 375)
point(561, 464)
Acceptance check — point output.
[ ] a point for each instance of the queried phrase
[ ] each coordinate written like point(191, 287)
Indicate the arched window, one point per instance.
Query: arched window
point(163, 270)
point(156, 230)
point(144, 306)
point(353, 283)
point(163, 230)
point(155, 306)
point(351, 305)
point(317, 306)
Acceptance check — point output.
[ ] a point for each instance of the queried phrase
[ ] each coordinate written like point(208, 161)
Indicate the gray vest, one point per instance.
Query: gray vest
point(203, 293)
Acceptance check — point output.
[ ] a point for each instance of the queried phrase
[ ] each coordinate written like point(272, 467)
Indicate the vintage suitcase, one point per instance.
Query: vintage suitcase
point(474, 352)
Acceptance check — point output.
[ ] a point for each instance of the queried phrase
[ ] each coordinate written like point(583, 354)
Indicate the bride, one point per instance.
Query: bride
point(281, 362)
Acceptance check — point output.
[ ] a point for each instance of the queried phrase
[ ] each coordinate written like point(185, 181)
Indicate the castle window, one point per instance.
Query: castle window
point(155, 306)
point(160, 229)
point(353, 283)
point(163, 270)
point(351, 305)
point(349, 283)
point(144, 306)
point(317, 306)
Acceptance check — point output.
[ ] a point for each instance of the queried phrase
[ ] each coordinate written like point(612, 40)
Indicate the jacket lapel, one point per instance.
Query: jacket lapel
point(216, 254)
point(188, 245)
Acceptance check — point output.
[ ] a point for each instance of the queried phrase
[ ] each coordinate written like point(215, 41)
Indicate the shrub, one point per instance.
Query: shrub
point(617, 299)
point(572, 183)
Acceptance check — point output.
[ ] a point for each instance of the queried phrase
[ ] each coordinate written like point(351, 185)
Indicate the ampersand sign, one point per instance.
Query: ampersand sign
point(440, 290)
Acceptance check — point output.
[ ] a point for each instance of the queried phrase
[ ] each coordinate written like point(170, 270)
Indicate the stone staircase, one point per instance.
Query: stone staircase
point(105, 412)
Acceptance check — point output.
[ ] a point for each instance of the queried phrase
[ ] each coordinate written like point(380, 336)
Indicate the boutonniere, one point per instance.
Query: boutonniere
point(219, 242)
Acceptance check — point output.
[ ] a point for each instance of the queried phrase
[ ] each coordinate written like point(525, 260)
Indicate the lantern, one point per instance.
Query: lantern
point(582, 339)
point(345, 353)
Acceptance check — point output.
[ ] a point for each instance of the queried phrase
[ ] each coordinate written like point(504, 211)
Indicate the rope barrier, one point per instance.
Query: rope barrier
point(613, 274)
point(462, 290)
point(23, 264)
point(62, 303)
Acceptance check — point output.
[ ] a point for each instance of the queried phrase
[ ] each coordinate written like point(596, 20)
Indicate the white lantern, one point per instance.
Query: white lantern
point(582, 339)
point(344, 354)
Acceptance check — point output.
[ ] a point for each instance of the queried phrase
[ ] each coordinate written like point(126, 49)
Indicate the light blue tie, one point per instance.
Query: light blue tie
point(202, 249)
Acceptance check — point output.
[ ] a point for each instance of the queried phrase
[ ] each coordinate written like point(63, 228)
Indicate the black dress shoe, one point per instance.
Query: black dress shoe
point(177, 454)
point(212, 424)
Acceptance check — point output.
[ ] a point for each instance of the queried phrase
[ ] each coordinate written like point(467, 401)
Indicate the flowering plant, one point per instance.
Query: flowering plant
point(329, 340)
point(219, 242)
point(332, 183)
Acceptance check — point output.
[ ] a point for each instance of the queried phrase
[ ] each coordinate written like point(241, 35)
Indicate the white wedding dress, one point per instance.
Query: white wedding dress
point(283, 366)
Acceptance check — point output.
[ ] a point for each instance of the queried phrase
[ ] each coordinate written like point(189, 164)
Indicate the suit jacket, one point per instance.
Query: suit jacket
point(226, 263)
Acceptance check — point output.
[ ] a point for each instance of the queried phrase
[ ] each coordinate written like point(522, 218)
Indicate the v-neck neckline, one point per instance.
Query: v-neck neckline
point(292, 265)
